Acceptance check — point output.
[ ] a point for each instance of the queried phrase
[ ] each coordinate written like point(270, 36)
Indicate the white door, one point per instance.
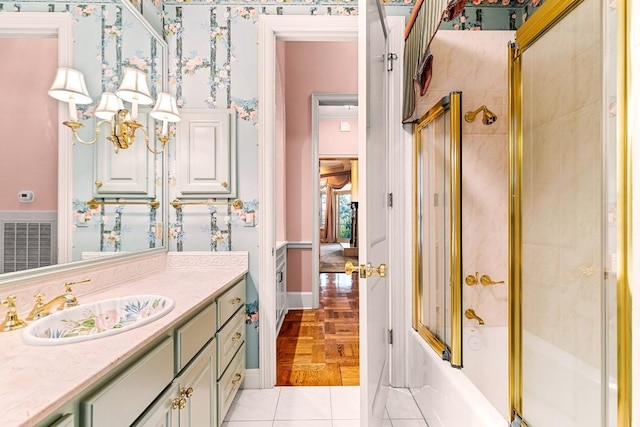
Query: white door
point(373, 210)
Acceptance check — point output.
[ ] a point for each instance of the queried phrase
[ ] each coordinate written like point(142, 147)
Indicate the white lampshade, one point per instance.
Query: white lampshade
point(166, 108)
point(133, 87)
point(69, 86)
point(108, 106)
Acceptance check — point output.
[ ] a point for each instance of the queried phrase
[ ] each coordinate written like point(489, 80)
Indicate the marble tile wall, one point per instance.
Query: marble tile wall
point(475, 63)
point(562, 185)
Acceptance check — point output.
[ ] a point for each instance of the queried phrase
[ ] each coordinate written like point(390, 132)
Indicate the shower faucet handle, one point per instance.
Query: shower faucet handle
point(485, 280)
point(472, 280)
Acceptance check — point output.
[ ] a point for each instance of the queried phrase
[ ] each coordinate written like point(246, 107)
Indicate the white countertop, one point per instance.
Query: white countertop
point(37, 380)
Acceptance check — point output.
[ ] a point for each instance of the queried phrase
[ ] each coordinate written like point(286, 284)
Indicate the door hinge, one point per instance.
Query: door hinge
point(390, 200)
point(391, 336)
point(390, 58)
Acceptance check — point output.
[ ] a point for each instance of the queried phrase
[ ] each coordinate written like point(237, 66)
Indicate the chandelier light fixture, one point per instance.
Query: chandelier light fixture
point(69, 86)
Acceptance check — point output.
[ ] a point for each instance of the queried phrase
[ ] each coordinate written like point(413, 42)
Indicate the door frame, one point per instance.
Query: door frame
point(328, 28)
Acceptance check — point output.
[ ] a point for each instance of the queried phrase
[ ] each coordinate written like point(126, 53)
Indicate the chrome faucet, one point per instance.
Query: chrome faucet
point(60, 302)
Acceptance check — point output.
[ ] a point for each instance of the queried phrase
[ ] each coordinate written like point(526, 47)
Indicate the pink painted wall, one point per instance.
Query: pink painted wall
point(334, 143)
point(281, 141)
point(29, 158)
point(311, 67)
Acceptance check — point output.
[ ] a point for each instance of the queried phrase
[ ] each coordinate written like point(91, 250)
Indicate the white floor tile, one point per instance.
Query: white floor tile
point(304, 403)
point(254, 405)
point(247, 424)
point(345, 403)
point(400, 405)
point(346, 423)
point(409, 423)
point(303, 423)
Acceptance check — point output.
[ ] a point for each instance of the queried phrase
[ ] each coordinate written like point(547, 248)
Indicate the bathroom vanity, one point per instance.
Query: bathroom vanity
point(181, 369)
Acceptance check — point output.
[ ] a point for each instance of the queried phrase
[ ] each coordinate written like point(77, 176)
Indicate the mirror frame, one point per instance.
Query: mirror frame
point(60, 24)
point(453, 104)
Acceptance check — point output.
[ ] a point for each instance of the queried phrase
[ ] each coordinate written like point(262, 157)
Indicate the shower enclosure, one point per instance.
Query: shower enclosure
point(567, 206)
point(437, 222)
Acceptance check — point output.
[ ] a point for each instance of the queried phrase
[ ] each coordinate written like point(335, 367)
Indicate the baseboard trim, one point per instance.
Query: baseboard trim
point(299, 300)
point(251, 379)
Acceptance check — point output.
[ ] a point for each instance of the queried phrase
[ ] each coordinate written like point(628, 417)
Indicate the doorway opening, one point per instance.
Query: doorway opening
point(338, 213)
point(317, 340)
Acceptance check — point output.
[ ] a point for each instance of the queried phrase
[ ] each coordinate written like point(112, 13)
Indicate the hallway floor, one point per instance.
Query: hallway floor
point(321, 347)
point(316, 407)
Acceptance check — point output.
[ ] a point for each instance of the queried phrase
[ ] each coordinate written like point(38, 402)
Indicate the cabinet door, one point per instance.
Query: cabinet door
point(65, 421)
point(206, 153)
point(127, 173)
point(198, 386)
point(163, 413)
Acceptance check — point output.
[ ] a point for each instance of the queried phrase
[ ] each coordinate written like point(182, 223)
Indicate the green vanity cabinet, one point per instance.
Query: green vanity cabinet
point(187, 378)
point(65, 421)
point(231, 353)
point(124, 398)
point(190, 400)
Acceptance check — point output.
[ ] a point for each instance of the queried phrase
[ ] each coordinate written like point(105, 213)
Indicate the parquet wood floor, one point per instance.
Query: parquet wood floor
point(321, 347)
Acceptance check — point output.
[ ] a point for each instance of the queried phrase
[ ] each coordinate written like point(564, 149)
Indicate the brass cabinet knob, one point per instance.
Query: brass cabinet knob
point(179, 403)
point(187, 393)
point(236, 379)
point(236, 336)
point(236, 300)
point(98, 184)
point(224, 184)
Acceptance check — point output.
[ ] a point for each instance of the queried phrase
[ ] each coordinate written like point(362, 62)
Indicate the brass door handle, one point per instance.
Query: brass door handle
point(381, 270)
point(349, 268)
point(366, 270)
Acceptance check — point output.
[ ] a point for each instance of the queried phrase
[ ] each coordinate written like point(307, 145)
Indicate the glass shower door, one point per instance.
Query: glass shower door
point(559, 251)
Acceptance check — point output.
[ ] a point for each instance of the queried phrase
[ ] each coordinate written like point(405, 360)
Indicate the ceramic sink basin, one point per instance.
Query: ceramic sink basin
point(96, 320)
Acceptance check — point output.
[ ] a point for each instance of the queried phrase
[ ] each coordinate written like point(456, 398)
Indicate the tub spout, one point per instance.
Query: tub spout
point(471, 314)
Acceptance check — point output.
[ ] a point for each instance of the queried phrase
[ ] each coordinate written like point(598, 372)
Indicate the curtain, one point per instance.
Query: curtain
point(335, 181)
point(423, 23)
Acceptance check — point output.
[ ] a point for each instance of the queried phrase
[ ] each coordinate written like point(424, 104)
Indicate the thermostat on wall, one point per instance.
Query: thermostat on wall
point(25, 196)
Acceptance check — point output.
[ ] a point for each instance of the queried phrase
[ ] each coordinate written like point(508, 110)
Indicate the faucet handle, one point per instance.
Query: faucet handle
point(70, 299)
point(36, 307)
point(67, 285)
point(11, 321)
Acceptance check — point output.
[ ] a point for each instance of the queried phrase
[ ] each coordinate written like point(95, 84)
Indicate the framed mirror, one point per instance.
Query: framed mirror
point(437, 228)
point(81, 221)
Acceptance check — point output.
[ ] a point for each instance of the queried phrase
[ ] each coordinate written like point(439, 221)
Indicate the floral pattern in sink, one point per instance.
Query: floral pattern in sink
point(94, 320)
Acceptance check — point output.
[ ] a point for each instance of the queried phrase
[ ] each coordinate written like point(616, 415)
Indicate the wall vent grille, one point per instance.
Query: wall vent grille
point(27, 243)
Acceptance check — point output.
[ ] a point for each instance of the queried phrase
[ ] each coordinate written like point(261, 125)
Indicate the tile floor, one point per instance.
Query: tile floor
point(316, 407)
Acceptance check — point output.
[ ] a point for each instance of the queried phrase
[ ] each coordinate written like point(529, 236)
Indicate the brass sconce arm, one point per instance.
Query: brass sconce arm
point(74, 125)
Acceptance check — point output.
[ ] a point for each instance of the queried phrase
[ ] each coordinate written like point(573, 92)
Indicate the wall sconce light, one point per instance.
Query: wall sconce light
point(69, 86)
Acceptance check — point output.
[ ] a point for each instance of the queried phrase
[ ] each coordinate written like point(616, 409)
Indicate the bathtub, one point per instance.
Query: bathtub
point(560, 389)
point(446, 396)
